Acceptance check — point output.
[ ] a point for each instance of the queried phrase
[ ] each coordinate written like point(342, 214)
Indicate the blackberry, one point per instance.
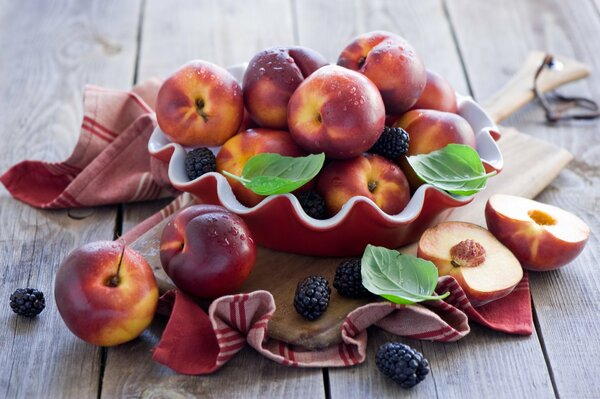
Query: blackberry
point(199, 161)
point(313, 204)
point(348, 280)
point(392, 143)
point(312, 297)
point(401, 363)
point(27, 302)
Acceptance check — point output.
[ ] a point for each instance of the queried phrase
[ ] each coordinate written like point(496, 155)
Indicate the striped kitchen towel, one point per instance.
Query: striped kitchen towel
point(110, 163)
point(196, 342)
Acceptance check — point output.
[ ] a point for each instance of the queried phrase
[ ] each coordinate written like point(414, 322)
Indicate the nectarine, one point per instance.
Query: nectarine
point(336, 111)
point(542, 237)
point(106, 293)
point(207, 251)
point(431, 130)
point(391, 63)
point(438, 94)
point(484, 268)
point(270, 79)
point(200, 105)
point(234, 154)
point(368, 175)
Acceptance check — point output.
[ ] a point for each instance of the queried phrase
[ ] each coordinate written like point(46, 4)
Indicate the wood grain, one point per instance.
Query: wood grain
point(224, 32)
point(130, 372)
point(49, 51)
point(565, 300)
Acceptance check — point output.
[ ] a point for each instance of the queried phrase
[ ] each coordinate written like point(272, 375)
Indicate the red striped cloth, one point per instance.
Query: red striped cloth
point(110, 163)
point(196, 342)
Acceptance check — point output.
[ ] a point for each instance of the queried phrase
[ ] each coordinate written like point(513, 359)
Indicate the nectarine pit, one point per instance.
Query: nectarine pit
point(541, 218)
point(467, 253)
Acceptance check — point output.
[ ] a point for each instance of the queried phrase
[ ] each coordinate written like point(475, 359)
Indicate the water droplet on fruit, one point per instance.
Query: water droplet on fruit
point(353, 90)
point(269, 63)
point(290, 60)
point(362, 100)
point(261, 70)
point(213, 233)
point(233, 231)
point(225, 242)
point(242, 237)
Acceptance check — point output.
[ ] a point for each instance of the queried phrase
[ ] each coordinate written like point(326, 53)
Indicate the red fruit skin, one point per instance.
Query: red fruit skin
point(207, 251)
point(336, 111)
point(431, 130)
point(272, 77)
point(537, 249)
point(438, 94)
point(93, 310)
point(341, 180)
point(391, 63)
point(236, 151)
point(177, 99)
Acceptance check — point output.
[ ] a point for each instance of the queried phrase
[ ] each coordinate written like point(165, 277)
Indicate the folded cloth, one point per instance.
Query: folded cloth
point(110, 163)
point(195, 342)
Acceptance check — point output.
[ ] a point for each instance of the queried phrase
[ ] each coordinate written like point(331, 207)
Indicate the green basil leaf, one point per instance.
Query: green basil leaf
point(456, 168)
point(268, 174)
point(399, 278)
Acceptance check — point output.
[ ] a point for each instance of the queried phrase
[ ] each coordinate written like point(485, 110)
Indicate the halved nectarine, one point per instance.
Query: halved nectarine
point(542, 237)
point(484, 268)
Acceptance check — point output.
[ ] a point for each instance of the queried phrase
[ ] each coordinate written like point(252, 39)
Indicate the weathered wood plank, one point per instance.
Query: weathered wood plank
point(130, 372)
point(423, 24)
point(226, 33)
point(565, 300)
point(50, 50)
point(485, 353)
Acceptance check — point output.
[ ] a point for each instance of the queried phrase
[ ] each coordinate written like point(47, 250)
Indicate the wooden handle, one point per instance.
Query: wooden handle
point(519, 90)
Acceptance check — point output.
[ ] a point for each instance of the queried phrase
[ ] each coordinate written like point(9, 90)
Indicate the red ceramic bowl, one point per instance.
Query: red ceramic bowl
point(279, 222)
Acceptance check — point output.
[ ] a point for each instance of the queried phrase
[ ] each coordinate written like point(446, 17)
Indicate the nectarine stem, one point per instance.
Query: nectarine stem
point(114, 280)
point(372, 185)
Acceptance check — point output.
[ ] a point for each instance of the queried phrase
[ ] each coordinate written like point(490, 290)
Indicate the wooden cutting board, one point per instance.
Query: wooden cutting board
point(530, 165)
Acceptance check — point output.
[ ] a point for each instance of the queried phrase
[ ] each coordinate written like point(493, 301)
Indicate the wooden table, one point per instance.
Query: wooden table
point(50, 49)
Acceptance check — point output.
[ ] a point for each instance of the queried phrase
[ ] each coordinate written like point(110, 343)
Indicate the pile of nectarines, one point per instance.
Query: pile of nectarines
point(293, 103)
